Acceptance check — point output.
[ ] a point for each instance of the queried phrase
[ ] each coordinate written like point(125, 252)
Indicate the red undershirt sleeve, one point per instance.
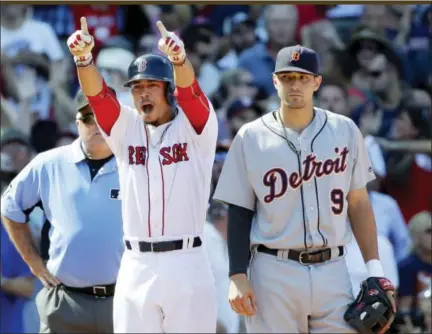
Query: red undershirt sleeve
point(195, 105)
point(106, 108)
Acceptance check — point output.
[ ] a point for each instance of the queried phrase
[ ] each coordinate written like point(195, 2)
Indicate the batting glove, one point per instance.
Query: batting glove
point(171, 45)
point(80, 44)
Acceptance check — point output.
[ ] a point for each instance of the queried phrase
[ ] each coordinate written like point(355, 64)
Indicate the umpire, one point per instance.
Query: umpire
point(77, 187)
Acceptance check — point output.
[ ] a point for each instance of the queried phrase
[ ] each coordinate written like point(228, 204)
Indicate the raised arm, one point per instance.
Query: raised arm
point(103, 102)
point(190, 97)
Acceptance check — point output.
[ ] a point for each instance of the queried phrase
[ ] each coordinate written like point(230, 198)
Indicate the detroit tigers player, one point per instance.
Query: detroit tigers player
point(290, 179)
point(165, 151)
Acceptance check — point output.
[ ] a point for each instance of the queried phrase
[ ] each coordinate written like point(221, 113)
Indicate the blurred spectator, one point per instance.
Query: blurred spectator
point(215, 234)
point(425, 305)
point(175, 17)
point(7, 171)
point(281, 24)
point(17, 146)
point(375, 18)
point(376, 116)
point(364, 47)
point(113, 64)
point(333, 96)
point(239, 113)
point(134, 22)
point(220, 156)
point(44, 135)
point(236, 84)
point(412, 38)
point(201, 45)
point(218, 14)
point(16, 281)
point(317, 32)
point(146, 44)
point(32, 50)
point(357, 267)
point(65, 138)
point(388, 217)
point(59, 17)
point(240, 31)
point(310, 14)
point(104, 21)
point(409, 171)
point(419, 262)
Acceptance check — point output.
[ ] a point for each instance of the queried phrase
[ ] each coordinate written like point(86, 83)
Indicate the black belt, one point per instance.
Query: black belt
point(100, 291)
point(311, 257)
point(162, 246)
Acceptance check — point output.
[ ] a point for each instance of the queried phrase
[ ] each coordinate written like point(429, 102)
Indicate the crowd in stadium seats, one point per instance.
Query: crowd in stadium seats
point(376, 67)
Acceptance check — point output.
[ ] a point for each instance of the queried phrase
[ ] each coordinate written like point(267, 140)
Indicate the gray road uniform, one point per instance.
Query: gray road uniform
point(297, 186)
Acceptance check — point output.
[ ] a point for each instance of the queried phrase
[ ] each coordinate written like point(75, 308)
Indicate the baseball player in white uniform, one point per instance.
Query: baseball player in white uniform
point(165, 150)
point(291, 178)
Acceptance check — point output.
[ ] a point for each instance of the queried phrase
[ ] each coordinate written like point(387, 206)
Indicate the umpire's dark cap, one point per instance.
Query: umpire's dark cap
point(297, 59)
point(81, 100)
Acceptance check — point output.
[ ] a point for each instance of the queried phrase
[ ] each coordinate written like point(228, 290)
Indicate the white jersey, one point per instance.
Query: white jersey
point(164, 174)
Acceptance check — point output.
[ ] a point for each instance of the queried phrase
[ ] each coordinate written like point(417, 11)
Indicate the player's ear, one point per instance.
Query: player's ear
point(275, 80)
point(317, 80)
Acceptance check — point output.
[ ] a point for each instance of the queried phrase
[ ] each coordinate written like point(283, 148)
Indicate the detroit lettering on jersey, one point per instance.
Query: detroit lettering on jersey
point(170, 154)
point(312, 168)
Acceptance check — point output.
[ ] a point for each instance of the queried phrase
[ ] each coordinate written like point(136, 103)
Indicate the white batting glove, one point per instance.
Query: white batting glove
point(171, 45)
point(80, 44)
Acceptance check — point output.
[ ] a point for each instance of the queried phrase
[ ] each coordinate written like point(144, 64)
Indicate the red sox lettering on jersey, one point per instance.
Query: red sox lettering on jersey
point(156, 170)
point(170, 154)
point(312, 168)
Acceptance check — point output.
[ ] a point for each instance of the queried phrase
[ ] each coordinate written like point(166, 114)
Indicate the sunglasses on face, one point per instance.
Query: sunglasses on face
point(87, 119)
point(375, 74)
point(368, 46)
point(246, 84)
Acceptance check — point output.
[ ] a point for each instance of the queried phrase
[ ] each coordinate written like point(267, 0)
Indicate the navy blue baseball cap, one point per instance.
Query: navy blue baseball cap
point(297, 59)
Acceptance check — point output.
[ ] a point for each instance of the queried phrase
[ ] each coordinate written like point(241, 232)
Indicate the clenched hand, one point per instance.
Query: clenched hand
point(241, 296)
point(81, 43)
point(171, 45)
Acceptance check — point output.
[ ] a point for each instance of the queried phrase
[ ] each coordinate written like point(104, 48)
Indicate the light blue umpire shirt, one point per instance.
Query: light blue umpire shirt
point(86, 225)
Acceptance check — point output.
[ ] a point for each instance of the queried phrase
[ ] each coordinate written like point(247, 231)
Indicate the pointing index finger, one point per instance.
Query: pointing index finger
point(162, 29)
point(84, 27)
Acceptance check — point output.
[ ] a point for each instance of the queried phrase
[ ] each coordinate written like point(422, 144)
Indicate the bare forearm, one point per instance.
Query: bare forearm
point(21, 237)
point(184, 75)
point(40, 61)
point(415, 146)
point(90, 80)
point(364, 229)
point(21, 286)
point(10, 83)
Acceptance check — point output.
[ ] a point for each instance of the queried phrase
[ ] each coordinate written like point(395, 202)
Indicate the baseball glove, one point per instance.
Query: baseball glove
point(373, 311)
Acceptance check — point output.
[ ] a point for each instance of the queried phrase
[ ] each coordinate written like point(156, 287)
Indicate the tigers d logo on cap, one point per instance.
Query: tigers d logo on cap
point(295, 56)
point(297, 59)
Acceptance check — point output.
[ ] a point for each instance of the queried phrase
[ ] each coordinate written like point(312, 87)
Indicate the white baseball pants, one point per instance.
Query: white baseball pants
point(169, 292)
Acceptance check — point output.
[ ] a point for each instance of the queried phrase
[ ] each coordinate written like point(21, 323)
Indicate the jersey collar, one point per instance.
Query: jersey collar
point(77, 155)
point(272, 122)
